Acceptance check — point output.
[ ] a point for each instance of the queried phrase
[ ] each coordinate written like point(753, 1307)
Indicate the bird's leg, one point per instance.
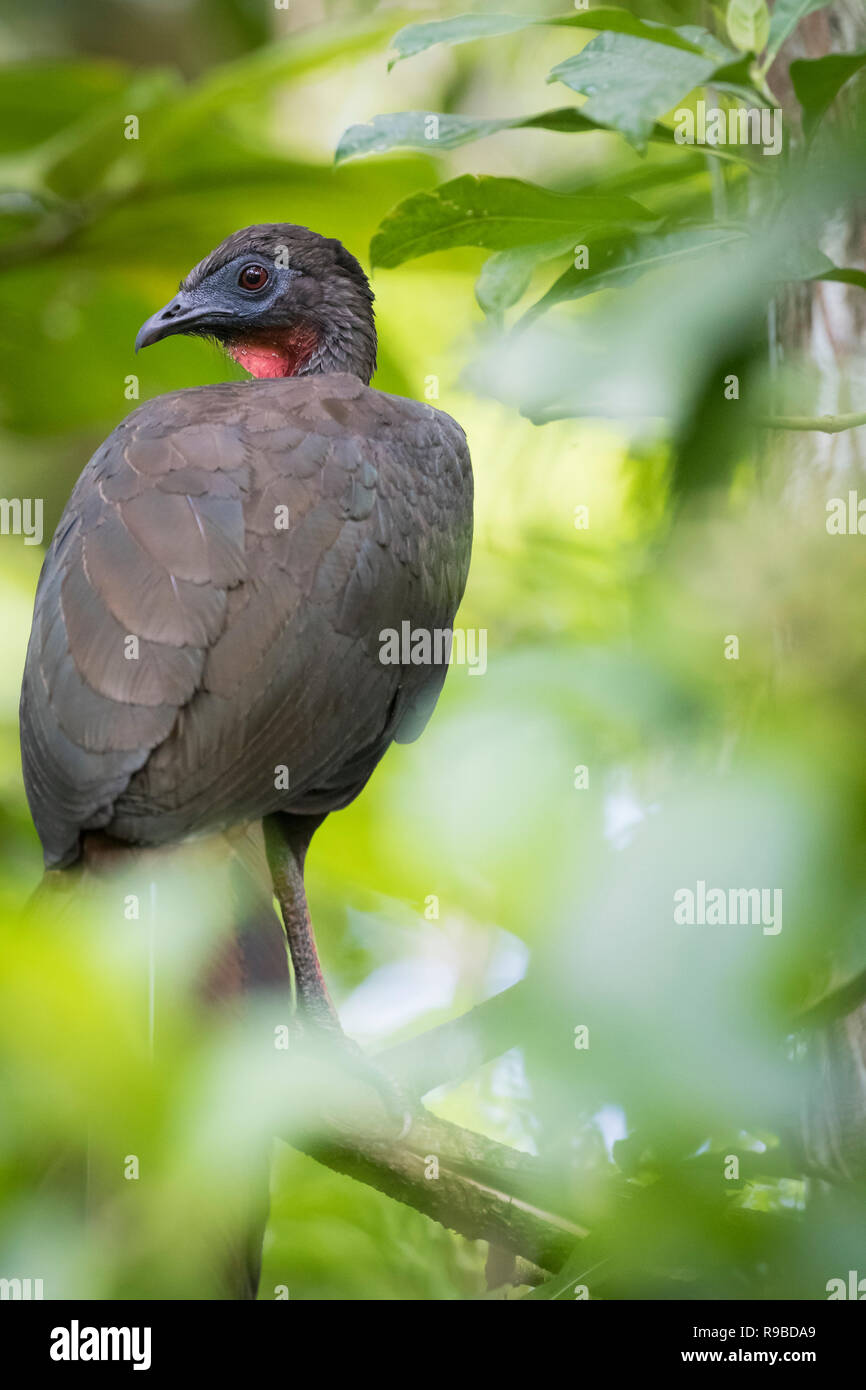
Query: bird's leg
point(287, 839)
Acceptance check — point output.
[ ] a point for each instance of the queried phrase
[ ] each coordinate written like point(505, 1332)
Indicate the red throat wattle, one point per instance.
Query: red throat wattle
point(275, 354)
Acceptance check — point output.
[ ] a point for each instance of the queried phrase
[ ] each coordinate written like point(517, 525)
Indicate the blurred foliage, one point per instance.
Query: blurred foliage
point(606, 636)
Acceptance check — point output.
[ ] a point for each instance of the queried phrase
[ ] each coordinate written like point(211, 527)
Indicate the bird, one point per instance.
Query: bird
point(206, 651)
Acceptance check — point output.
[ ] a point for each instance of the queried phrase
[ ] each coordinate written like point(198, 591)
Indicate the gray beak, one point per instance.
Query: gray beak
point(183, 315)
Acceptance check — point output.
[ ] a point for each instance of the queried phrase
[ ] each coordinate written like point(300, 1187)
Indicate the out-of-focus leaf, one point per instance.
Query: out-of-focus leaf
point(95, 155)
point(181, 130)
point(68, 91)
point(492, 212)
point(643, 355)
point(88, 155)
point(257, 74)
point(416, 38)
point(818, 81)
point(630, 84)
point(748, 25)
point(786, 16)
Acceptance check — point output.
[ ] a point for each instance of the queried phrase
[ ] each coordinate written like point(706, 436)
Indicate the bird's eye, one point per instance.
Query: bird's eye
point(253, 277)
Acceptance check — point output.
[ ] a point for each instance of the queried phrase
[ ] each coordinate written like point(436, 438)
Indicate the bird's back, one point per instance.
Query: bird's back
point(206, 637)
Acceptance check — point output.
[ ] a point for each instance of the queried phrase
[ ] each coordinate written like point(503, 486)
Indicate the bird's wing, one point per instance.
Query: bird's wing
point(132, 594)
point(210, 607)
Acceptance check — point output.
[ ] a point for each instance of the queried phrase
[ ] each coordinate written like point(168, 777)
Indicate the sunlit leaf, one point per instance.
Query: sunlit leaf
point(629, 84)
point(416, 38)
point(748, 24)
point(491, 212)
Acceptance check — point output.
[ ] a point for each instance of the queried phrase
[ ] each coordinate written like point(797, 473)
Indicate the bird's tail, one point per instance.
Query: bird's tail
point(243, 969)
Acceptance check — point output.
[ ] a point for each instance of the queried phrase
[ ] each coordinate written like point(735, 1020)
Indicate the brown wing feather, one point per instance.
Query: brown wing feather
point(257, 646)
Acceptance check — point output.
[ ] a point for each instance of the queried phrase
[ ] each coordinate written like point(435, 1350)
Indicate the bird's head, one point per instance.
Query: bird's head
point(281, 299)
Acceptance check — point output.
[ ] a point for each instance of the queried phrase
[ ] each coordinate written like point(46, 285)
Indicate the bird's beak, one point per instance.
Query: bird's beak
point(183, 314)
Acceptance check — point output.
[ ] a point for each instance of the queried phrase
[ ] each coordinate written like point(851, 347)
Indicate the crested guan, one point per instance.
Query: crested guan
point(205, 648)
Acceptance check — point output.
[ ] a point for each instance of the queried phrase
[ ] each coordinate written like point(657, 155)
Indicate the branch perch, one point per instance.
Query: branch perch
point(824, 424)
point(477, 1207)
point(478, 1187)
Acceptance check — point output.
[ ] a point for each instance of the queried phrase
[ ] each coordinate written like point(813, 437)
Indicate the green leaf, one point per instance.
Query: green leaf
point(786, 16)
point(748, 24)
point(629, 84)
point(817, 82)
point(505, 276)
point(618, 265)
point(844, 276)
point(435, 132)
point(463, 28)
point(491, 212)
point(632, 355)
point(417, 38)
point(706, 42)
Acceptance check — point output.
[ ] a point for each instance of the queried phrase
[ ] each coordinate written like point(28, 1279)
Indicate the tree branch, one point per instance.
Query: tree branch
point(825, 424)
point(468, 1183)
point(473, 1185)
point(477, 1207)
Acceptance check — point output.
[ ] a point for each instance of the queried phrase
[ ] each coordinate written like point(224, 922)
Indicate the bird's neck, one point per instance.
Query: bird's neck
point(276, 352)
point(303, 350)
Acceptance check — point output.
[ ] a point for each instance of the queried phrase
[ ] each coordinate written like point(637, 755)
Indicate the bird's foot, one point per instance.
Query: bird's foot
point(326, 1030)
point(399, 1104)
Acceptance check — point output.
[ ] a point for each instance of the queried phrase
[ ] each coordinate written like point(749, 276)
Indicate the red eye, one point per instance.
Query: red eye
point(253, 277)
